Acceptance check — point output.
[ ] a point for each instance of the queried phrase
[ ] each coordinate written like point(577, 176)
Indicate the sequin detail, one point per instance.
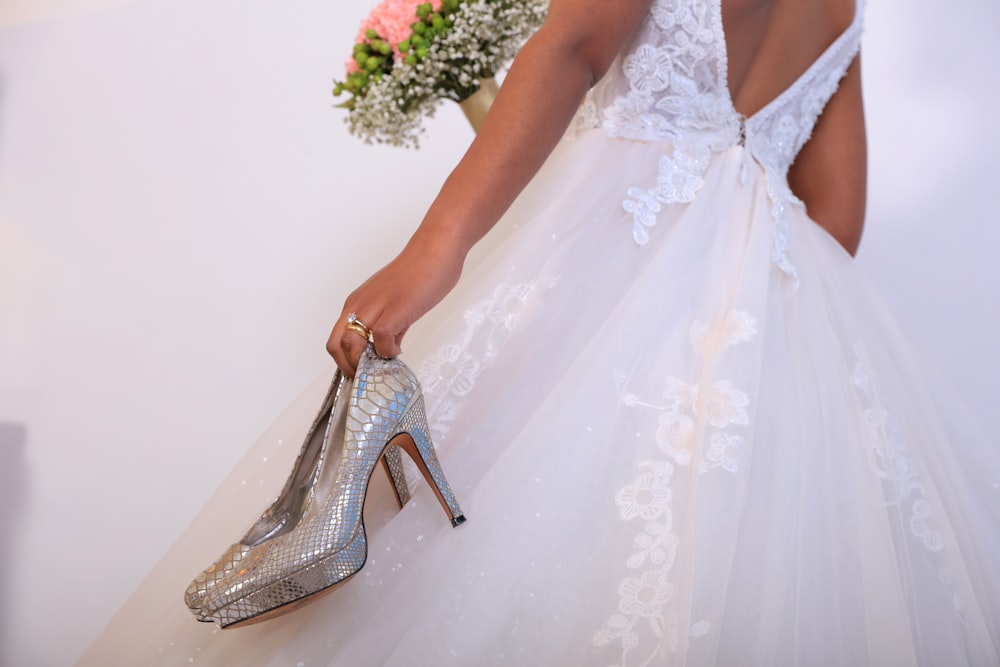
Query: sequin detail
point(674, 88)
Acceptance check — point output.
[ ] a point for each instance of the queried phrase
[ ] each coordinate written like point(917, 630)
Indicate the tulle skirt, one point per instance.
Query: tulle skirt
point(669, 454)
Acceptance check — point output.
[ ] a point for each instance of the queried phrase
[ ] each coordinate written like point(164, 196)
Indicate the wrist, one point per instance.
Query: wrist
point(442, 243)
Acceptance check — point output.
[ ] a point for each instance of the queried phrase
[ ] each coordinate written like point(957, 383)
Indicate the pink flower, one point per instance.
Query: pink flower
point(391, 20)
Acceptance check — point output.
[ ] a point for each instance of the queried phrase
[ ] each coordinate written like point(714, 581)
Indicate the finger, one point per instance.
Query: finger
point(352, 345)
point(333, 346)
point(386, 341)
point(345, 345)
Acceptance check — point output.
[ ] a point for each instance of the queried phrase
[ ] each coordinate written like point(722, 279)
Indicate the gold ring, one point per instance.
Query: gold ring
point(358, 327)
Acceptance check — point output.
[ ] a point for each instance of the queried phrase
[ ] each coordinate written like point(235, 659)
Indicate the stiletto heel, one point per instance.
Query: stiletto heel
point(288, 509)
point(416, 442)
point(392, 462)
point(382, 413)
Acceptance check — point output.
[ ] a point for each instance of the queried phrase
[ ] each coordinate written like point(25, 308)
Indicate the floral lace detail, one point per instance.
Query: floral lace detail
point(648, 70)
point(892, 462)
point(777, 134)
point(738, 326)
point(646, 617)
point(901, 484)
point(672, 77)
point(673, 85)
point(450, 374)
point(678, 181)
point(586, 118)
point(720, 406)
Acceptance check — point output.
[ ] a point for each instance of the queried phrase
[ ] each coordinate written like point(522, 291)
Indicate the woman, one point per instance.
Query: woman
point(682, 428)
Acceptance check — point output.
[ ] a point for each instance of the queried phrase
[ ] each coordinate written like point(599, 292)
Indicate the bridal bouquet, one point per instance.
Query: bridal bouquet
point(410, 54)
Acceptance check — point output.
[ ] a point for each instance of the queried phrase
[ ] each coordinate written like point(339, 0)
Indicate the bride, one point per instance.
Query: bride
point(682, 427)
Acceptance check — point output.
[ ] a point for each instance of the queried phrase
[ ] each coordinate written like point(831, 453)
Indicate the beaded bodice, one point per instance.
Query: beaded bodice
point(672, 82)
point(671, 85)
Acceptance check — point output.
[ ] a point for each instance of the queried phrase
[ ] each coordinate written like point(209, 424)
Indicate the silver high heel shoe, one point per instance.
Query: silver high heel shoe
point(290, 506)
point(382, 412)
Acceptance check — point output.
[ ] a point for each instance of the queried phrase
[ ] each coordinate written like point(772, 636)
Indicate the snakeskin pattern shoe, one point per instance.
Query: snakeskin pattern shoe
point(296, 496)
point(379, 414)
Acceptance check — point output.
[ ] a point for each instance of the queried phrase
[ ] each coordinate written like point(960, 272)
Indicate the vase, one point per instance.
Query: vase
point(476, 106)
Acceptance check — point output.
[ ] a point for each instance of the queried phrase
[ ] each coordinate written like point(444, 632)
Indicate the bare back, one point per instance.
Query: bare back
point(770, 44)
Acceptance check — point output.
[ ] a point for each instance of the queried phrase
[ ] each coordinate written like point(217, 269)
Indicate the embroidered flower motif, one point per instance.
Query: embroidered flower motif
point(669, 13)
point(630, 400)
point(586, 117)
point(920, 526)
point(882, 435)
point(633, 111)
point(645, 595)
point(647, 497)
point(674, 437)
point(656, 544)
point(617, 627)
point(643, 206)
point(724, 405)
point(679, 179)
point(680, 175)
point(513, 304)
point(648, 69)
point(738, 327)
point(685, 423)
point(725, 450)
point(452, 369)
point(680, 393)
point(696, 111)
point(891, 463)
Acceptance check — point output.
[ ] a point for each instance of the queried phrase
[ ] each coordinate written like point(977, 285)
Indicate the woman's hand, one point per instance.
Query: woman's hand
point(396, 297)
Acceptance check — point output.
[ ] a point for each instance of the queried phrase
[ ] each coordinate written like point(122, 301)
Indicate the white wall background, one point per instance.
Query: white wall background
point(182, 212)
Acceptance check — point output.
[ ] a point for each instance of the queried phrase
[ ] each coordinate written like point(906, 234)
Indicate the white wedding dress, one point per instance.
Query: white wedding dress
point(683, 428)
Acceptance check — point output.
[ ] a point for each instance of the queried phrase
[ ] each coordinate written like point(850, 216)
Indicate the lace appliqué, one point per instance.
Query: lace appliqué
point(647, 617)
point(673, 92)
point(781, 197)
point(450, 374)
point(689, 406)
point(673, 84)
point(679, 179)
point(893, 464)
point(777, 133)
point(586, 118)
point(901, 483)
point(672, 76)
point(738, 326)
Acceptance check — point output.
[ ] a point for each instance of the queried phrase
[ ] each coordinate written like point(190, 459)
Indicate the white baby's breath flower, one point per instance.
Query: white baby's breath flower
point(482, 37)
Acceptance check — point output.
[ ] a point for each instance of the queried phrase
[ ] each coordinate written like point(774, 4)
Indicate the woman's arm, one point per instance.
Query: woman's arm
point(540, 95)
point(830, 174)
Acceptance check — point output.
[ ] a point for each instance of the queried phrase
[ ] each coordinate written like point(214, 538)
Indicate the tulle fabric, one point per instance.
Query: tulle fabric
point(673, 454)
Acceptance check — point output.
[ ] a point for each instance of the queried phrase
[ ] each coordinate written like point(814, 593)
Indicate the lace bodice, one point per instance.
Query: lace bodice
point(672, 84)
